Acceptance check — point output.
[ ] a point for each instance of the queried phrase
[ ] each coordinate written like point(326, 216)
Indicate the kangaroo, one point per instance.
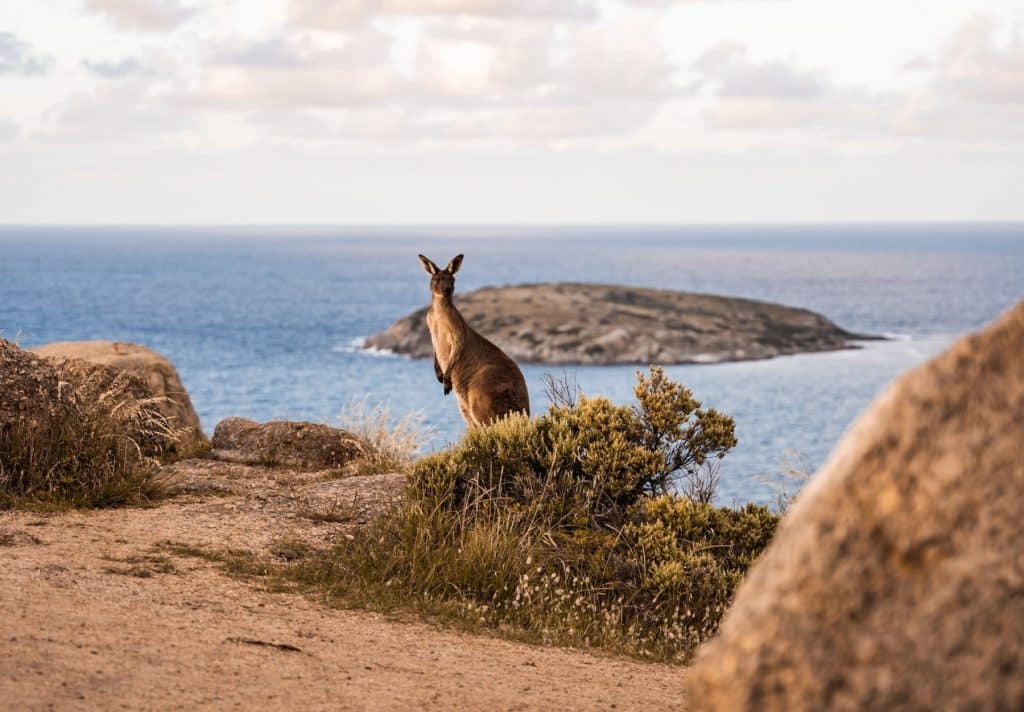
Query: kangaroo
point(488, 384)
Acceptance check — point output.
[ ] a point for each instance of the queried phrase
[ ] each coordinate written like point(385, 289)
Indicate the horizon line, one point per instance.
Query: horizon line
point(517, 225)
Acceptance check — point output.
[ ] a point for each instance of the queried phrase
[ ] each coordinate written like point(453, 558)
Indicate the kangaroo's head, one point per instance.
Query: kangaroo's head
point(442, 281)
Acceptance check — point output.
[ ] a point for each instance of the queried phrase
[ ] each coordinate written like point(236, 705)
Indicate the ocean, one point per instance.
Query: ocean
point(265, 323)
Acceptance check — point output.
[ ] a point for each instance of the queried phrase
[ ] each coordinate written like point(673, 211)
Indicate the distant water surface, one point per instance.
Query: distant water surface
point(261, 322)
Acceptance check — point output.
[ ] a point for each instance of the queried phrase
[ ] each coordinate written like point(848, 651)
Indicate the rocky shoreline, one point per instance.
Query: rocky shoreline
point(600, 324)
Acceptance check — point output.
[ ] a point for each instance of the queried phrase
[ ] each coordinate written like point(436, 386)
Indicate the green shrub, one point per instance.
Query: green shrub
point(563, 529)
point(592, 459)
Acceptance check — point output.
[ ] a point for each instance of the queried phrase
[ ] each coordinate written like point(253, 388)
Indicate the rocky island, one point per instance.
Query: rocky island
point(600, 324)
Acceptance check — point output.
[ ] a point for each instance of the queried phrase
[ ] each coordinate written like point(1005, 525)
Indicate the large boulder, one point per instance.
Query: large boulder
point(896, 580)
point(310, 446)
point(152, 369)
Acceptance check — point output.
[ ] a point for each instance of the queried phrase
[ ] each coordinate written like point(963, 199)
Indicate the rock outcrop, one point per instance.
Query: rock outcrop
point(154, 370)
point(605, 324)
point(299, 445)
point(896, 581)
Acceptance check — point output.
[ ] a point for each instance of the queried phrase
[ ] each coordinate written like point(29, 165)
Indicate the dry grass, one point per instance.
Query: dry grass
point(141, 566)
point(91, 456)
point(185, 550)
point(393, 442)
point(795, 472)
point(334, 514)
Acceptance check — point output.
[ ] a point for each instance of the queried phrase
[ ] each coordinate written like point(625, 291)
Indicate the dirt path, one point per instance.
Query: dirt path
point(95, 615)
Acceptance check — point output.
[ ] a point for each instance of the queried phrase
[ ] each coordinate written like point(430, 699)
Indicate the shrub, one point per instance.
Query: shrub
point(592, 459)
point(83, 462)
point(564, 529)
point(60, 448)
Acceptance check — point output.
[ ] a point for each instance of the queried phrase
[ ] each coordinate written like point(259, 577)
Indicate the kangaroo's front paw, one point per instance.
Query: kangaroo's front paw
point(447, 382)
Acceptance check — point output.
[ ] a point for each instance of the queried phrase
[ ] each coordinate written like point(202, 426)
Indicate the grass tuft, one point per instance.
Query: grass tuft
point(82, 461)
point(81, 446)
point(392, 443)
point(334, 514)
point(145, 566)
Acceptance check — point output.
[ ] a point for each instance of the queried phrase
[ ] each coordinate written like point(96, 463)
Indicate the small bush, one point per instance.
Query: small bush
point(84, 463)
point(76, 450)
point(563, 529)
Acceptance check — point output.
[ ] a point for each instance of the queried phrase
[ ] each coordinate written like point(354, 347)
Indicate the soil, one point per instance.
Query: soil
point(100, 613)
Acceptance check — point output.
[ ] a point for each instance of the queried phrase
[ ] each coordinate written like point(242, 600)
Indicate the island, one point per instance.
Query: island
point(600, 324)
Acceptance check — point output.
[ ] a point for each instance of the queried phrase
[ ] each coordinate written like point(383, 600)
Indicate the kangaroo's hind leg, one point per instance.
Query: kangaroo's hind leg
point(467, 414)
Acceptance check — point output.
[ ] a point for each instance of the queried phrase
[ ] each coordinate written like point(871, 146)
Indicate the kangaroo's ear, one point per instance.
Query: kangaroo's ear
point(429, 266)
point(454, 265)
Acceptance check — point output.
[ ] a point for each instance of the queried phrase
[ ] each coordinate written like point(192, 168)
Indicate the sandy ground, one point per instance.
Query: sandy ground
point(94, 614)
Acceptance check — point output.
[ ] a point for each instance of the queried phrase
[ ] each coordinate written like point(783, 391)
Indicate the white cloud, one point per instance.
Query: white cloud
point(747, 94)
point(145, 15)
point(974, 92)
point(293, 74)
point(472, 81)
point(728, 68)
point(426, 82)
point(345, 14)
point(974, 65)
point(123, 112)
point(970, 93)
point(118, 69)
point(18, 58)
point(9, 130)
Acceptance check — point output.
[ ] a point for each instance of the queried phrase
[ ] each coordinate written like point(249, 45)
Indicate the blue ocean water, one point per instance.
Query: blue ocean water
point(261, 322)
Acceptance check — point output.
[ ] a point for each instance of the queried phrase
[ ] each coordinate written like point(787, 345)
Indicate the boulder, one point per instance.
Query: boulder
point(152, 369)
point(896, 580)
point(310, 446)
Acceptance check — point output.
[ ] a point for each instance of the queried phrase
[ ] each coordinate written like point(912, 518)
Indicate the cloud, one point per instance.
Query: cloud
point(121, 112)
point(9, 130)
point(729, 70)
point(17, 58)
point(970, 92)
point(974, 90)
point(127, 67)
point(748, 95)
point(345, 14)
point(473, 80)
point(145, 15)
point(274, 52)
point(976, 67)
point(292, 74)
point(396, 124)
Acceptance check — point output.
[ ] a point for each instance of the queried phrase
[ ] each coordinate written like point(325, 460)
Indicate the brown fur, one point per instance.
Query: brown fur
point(487, 383)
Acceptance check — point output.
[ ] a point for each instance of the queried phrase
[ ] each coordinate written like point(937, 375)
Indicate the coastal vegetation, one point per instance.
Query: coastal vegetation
point(61, 446)
point(568, 528)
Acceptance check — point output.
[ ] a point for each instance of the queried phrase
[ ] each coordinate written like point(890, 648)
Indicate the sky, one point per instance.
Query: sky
point(510, 111)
